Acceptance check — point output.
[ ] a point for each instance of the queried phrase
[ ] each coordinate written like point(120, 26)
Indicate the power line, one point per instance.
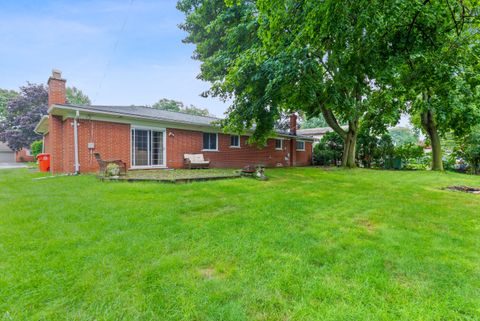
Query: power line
point(115, 45)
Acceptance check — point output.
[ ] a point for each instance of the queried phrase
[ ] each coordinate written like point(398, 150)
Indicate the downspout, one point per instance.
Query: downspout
point(75, 141)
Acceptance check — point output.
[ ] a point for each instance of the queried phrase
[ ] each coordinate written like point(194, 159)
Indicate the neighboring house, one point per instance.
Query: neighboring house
point(317, 133)
point(6, 154)
point(24, 155)
point(146, 138)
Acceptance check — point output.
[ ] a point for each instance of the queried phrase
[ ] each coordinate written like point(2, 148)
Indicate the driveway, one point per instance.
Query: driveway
point(12, 165)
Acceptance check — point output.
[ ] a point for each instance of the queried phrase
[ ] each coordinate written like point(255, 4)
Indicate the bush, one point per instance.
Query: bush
point(329, 150)
point(467, 153)
point(323, 157)
point(411, 156)
point(373, 150)
point(409, 151)
point(36, 148)
point(113, 170)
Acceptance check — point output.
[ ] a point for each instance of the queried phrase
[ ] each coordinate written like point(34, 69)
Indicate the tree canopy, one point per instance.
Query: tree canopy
point(77, 97)
point(313, 122)
point(178, 106)
point(22, 115)
point(353, 62)
point(434, 48)
point(403, 135)
point(283, 56)
point(5, 96)
point(25, 109)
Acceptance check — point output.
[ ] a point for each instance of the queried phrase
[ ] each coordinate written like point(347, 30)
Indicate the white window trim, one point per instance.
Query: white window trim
point(239, 143)
point(281, 140)
point(132, 152)
point(302, 141)
point(210, 150)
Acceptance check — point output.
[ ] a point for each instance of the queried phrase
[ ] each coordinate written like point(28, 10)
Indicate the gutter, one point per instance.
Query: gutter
point(75, 141)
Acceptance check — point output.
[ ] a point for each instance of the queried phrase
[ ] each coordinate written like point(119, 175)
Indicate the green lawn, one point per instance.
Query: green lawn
point(309, 244)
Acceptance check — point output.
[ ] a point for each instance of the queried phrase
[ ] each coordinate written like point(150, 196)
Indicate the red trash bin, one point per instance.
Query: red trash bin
point(43, 162)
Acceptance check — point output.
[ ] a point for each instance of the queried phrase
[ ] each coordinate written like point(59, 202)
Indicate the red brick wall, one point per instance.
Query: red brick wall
point(181, 142)
point(21, 156)
point(112, 141)
point(304, 158)
point(55, 143)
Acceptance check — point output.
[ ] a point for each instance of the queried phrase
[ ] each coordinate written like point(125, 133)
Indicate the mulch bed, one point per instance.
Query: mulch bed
point(465, 189)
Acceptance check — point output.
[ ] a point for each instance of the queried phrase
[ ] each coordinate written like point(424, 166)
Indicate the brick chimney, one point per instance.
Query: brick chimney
point(293, 124)
point(56, 88)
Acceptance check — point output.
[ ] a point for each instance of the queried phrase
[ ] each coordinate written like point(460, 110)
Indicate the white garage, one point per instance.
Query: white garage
point(6, 154)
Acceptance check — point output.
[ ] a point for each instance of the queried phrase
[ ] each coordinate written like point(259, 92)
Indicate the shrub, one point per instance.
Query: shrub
point(409, 151)
point(323, 157)
point(112, 170)
point(374, 150)
point(329, 150)
point(36, 148)
point(469, 151)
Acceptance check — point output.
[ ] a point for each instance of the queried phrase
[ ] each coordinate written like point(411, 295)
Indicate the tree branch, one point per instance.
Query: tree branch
point(452, 13)
point(332, 121)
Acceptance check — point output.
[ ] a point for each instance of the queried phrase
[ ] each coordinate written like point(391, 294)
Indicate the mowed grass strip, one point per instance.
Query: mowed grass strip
point(308, 244)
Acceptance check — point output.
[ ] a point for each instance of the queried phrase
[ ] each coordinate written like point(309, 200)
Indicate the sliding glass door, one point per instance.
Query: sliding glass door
point(148, 147)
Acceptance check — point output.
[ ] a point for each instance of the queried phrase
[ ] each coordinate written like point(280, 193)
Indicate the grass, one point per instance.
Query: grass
point(308, 244)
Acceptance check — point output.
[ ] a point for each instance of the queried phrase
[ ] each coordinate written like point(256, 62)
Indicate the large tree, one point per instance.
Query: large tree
point(22, 115)
point(178, 106)
point(276, 56)
point(434, 46)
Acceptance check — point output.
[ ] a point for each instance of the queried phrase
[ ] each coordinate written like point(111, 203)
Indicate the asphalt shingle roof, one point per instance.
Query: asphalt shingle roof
point(148, 112)
point(151, 113)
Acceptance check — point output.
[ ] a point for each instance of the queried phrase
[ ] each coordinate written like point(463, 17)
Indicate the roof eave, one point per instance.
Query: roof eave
point(42, 126)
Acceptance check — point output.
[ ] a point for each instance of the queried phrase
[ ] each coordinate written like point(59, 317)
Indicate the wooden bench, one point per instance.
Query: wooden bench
point(192, 161)
point(103, 163)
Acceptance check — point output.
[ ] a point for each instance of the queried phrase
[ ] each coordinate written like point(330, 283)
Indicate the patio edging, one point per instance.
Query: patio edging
point(171, 181)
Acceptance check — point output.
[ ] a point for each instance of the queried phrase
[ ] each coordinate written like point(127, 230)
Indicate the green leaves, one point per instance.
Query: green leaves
point(354, 60)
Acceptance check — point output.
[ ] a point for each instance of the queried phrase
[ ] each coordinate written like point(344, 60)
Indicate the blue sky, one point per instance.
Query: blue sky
point(84, 39)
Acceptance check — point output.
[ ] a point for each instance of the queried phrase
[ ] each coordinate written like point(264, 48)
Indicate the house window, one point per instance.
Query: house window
point(210, 141)
point(234, 141)
point(300, 145)
point(278, 144)
point(147, 147)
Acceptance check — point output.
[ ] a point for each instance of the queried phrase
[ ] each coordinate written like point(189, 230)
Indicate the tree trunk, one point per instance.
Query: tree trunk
point(428, 123)
point(349, 137)
point(349, 146)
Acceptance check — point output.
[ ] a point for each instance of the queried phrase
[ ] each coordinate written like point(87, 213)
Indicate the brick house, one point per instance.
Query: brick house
point(146, 138)
point(24, 155)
